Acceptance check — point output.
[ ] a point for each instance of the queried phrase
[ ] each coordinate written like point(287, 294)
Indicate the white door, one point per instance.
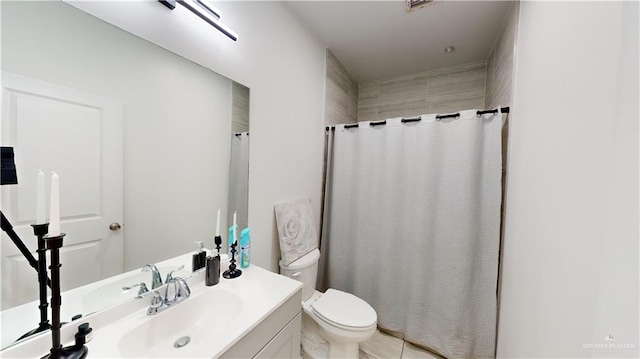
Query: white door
point(79, 136)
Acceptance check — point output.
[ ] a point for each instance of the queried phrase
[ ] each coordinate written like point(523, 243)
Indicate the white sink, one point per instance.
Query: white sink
point(216, 319)
point(202, 318)
point(112, 293)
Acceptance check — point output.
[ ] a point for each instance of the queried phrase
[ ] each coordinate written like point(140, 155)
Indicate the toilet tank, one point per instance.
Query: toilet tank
point(305, 270)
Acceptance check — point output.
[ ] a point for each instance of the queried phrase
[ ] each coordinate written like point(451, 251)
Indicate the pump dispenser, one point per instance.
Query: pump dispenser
point(212, 273)
point(200, 257)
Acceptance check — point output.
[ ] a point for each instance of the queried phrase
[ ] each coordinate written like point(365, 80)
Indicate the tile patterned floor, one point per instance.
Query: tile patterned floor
point(385, 346)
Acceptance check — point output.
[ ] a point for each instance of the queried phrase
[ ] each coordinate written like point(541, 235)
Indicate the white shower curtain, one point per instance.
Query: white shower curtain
point(412, 226)
point(239, 180)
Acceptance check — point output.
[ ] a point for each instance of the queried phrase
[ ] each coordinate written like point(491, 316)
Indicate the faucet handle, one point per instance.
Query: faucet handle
point(156, 303)
point(169, 275)
point(143, 288)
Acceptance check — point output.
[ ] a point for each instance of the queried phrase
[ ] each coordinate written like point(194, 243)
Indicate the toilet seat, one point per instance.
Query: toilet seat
point(345, 311)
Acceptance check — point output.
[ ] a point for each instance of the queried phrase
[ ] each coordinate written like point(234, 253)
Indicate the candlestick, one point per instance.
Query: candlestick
point(218, 224)
point(53, 244)
point(41, 216)
point(54, 209)
point(232, 272)
point(78, 351)
point(40, 230)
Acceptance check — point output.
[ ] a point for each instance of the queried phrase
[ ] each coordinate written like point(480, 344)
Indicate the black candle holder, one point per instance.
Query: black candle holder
point(218, 242)
point(40, 230)
point(232, 272)
point(54, 243)
point(8, 229)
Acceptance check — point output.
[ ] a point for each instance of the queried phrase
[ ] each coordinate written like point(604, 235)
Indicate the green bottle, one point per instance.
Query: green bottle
point(245, 248)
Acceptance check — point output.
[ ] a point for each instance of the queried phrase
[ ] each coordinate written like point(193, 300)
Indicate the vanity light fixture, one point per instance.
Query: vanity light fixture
point(204, 11)
point(210, 8)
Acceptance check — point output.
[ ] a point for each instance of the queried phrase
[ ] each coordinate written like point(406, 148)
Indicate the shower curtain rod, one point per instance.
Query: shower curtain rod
point(416, 119)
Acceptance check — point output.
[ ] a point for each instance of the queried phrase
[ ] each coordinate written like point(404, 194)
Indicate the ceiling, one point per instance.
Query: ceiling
point(378, 39)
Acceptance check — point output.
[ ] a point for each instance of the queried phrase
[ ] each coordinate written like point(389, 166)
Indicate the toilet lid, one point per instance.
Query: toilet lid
point(344, 309)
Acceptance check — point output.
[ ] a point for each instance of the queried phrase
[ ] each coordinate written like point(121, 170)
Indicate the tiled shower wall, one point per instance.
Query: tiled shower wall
point(239, 108)
point(500, 62)
point(484, 84)
point(341, 94)
point(438, 91)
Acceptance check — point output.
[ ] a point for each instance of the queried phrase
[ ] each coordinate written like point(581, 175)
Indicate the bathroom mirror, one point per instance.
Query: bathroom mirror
point(66, 75)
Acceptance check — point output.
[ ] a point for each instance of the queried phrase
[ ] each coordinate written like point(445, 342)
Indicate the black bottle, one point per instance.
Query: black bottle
point(212, 273)
point(199, 258)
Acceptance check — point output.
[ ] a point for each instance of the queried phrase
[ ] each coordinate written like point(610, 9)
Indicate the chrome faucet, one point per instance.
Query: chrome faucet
point(156, 278)
point(177, 290)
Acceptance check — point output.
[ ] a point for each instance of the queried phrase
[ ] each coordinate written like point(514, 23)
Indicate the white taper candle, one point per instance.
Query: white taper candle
point(218, 224)
point(235, 227)
point(54, 206)
point(41, 213)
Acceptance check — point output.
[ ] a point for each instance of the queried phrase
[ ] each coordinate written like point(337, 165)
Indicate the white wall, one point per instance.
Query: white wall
point(284, 68)
point(177, 119)
point(282, 64)
point(570, 261)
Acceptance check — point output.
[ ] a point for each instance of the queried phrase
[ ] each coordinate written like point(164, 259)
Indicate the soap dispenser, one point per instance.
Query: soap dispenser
point(200, 257)
point(212, 273)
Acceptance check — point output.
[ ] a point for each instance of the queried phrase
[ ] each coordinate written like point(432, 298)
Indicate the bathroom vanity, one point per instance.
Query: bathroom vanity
point(254, 316)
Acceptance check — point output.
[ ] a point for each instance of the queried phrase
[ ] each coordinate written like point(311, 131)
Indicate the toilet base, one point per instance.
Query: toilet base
point(315, 346)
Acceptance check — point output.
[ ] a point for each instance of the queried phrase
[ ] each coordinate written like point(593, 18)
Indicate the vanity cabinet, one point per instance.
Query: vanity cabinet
point(277, 336)
point(286, 344)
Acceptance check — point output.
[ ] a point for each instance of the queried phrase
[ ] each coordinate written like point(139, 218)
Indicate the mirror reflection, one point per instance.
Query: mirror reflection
point(147, 145)
point(239, 170)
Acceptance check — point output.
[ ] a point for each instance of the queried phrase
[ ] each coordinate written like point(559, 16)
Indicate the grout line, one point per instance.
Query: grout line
point(402, 351)
point(368, 355)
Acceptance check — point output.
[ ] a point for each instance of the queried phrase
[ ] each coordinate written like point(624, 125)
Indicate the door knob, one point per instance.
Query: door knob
point(115, 226)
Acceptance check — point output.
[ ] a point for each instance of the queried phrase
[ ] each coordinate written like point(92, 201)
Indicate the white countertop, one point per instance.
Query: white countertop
point(260, 291)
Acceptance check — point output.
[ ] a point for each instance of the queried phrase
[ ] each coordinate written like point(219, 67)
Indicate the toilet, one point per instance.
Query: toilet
point(334, 323)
